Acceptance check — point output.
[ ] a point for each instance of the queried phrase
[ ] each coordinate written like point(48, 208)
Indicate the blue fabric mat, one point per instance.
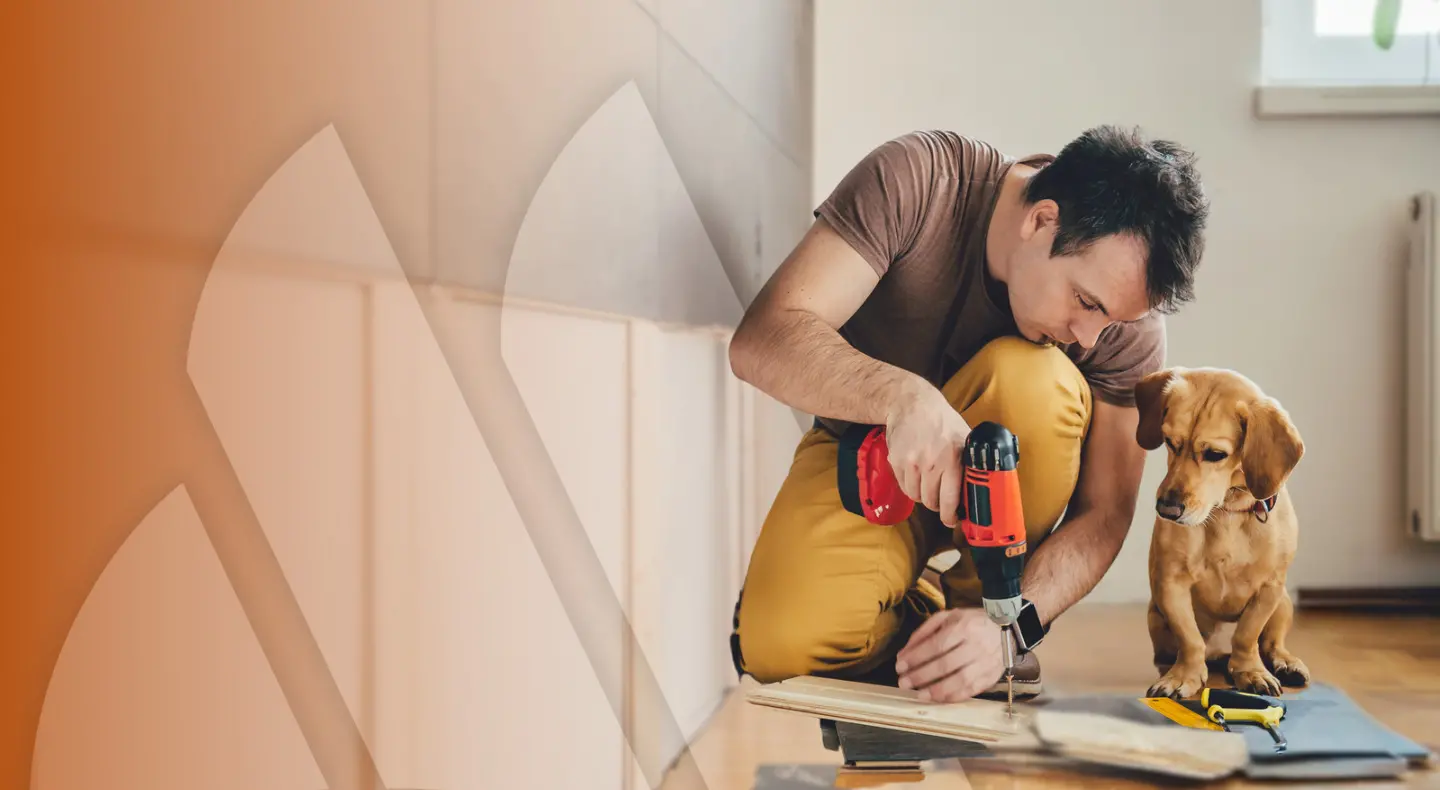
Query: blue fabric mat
point(1320, 721)
point(1327, 735)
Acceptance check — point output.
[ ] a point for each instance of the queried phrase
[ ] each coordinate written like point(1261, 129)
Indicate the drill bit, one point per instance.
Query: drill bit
point(1009, 654)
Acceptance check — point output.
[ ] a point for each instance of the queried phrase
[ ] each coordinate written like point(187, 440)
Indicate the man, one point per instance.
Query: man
point(944, 284)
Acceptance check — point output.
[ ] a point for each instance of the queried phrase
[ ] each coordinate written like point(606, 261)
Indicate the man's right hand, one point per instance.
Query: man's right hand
point(789, 347)
point(925, 435)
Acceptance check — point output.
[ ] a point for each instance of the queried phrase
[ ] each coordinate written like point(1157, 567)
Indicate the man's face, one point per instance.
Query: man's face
point(1072, 298)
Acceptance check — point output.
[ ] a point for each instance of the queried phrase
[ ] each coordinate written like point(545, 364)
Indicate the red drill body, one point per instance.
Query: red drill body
point(866, 480)
point(992, 519)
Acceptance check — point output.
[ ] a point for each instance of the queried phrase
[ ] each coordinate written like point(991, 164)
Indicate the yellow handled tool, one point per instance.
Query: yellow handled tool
point(1223, 706)
point(1184, 714)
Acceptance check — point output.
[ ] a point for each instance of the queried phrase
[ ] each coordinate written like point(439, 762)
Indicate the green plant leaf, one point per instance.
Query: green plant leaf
point(1387, 18)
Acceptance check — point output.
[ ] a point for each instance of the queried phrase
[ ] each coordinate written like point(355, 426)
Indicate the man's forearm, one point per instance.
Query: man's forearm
point(802, 362)
point(1072, 560)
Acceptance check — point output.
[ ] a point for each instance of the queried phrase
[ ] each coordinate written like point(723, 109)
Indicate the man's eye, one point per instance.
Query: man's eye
point(1090, 307)
point(1214, 456)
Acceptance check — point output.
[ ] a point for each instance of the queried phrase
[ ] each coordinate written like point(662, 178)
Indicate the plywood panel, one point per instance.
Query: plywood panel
point(281, 356)
point(494, 654)
point(280, 363)
point(644, 427)
point(688, 512)
point(403, 650)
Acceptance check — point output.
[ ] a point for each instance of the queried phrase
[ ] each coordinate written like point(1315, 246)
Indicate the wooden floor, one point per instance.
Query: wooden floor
point(1389, 665)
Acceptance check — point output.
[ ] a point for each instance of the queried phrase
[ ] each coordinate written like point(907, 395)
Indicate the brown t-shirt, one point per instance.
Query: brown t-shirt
point(917, 208)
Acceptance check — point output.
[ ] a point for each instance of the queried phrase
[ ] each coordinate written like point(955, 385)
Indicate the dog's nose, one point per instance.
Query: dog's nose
point(1169, 507)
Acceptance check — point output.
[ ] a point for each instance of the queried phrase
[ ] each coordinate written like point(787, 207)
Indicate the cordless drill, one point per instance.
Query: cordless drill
point(991, 517)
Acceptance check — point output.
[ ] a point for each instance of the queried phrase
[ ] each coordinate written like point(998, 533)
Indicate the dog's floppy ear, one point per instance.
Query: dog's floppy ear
point(1272, 447)
point(1150, 401)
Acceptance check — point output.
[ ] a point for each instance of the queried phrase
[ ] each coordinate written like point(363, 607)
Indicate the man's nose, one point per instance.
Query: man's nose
point(1087, 334)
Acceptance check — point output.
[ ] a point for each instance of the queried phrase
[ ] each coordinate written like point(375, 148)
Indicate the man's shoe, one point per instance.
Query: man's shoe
point(1027, 680)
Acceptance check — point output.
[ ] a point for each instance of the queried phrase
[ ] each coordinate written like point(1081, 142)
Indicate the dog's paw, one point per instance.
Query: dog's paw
point(1180, 682)
point(1290, 670)
point(1256, 681)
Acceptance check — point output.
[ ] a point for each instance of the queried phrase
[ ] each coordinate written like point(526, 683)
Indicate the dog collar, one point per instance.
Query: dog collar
point(1262, 507)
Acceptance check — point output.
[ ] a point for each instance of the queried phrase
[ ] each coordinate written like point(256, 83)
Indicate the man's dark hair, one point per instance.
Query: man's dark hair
point(1110, 181)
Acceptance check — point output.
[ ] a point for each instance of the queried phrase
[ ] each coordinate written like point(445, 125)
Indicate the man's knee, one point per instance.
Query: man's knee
point(1018, 383)
point(780, 638)
point(1039, 394)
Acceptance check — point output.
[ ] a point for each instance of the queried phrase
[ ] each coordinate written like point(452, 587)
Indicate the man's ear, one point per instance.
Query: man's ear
point(1150, 401)
point(1272, 447)
point(1038, 216)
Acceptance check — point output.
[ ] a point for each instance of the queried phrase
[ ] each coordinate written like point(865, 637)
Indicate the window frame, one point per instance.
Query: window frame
point(1302, 73)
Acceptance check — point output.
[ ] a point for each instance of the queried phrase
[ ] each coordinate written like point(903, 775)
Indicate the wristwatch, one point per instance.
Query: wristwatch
point(1028, 630)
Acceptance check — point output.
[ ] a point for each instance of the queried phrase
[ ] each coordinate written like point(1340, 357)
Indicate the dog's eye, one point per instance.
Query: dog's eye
point(1214, 456)
point(1171, 445)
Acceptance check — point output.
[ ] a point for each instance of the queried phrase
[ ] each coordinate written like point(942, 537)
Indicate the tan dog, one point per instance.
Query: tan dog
point(1225, 530)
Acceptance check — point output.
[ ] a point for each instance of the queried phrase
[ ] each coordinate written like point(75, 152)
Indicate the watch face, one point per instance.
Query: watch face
point(1028, 625)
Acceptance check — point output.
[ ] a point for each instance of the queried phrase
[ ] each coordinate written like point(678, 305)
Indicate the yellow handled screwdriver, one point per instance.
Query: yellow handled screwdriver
point(1223, 706)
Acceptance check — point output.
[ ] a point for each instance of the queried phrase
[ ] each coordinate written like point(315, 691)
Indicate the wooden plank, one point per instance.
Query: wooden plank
point(979, 720)
point(1083, 737)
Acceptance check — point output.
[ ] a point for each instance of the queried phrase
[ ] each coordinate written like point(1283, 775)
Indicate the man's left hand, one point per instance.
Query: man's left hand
point(952, 656)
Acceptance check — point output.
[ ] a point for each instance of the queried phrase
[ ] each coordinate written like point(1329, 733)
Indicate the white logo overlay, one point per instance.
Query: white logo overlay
point(440, 536)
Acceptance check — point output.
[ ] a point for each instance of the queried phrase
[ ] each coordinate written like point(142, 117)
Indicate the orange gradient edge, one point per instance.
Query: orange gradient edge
point(137, 134)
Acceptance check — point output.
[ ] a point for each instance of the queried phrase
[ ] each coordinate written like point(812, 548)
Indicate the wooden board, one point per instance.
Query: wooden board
point(883, 706)
point(1084, 737)
point(1106, 740)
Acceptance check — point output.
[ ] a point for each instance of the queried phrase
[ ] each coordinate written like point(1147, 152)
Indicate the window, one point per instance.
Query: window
point(1332, 43)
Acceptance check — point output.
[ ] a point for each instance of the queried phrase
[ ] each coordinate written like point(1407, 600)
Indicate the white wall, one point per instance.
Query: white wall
point(727, 86)
point(1305, 253)
point(466, 500)
point(448, 490)
point(464, 638)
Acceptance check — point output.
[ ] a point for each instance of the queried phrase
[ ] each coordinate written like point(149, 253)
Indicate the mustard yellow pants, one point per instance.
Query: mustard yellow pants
point(828, 593)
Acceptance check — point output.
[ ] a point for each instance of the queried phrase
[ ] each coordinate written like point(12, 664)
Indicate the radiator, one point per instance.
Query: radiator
point(1422, 396)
